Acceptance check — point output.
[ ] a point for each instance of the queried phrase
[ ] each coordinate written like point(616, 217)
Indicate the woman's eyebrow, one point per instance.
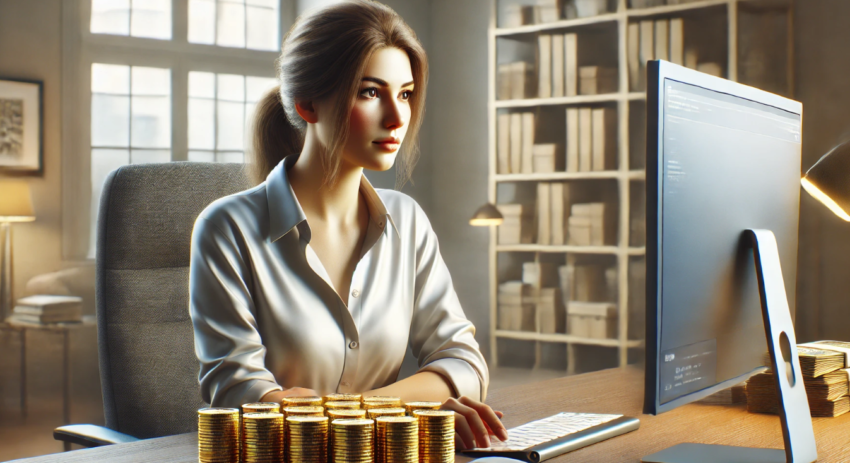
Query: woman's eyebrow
point(383, 82)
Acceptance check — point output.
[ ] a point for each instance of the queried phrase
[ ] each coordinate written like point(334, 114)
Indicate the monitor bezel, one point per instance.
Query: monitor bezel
point(658, 71)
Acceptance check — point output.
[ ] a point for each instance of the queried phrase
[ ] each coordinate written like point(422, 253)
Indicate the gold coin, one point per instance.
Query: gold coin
point(261, 407)
point(410, 406)
point(310, 401)
point(342, 397)
point(307, 411)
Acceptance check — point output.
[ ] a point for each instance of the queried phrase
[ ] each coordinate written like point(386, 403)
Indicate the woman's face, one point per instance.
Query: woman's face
point(381, 111)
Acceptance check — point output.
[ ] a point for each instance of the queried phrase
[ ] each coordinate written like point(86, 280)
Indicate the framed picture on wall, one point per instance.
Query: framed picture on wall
point(21, 127)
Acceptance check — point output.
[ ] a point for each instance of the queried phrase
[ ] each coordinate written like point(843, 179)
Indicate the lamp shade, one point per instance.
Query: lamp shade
point(829, 180)
point(15, 201)
point(487, 214)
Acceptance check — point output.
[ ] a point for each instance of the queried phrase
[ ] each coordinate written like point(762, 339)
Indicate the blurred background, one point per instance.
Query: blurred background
point(176, 80)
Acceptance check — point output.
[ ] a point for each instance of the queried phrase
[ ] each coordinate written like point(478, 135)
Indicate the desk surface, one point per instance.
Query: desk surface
point(617, 391)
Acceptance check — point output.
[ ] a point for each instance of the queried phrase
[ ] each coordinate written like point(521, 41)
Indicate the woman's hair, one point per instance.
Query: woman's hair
point(323, 58)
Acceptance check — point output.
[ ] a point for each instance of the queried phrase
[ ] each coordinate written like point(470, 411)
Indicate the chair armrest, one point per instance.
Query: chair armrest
point(90, 435)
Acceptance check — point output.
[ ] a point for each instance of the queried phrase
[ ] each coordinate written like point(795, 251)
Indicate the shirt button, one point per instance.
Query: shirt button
point(352, 344)
point(355, 293)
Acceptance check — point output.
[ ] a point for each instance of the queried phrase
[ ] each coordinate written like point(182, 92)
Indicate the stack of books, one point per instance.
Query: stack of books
point(518, 224)
point(553, 200)
point(515, 81)
point(661, 39)
point(516, 151)
point(595, 80)
point(544, 11)
point(557, 65)
point(515, 307)
point(542, 278)
point(588, 291)
point(591, 139)
point(44, 309)
point(826, 370)
point(587, 224)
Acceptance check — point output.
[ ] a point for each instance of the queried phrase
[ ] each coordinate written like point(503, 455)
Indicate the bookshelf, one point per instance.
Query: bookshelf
point(730, 34)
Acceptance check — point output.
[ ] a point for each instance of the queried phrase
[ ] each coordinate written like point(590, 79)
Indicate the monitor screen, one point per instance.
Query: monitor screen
point(721, 161)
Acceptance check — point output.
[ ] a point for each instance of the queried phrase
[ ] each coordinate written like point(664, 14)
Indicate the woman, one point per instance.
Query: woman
point(314, 282)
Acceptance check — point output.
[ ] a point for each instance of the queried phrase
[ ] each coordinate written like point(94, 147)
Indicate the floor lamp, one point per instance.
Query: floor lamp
point(15, 206)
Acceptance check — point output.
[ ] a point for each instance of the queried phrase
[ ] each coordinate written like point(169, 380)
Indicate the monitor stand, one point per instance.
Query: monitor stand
point(794, 411)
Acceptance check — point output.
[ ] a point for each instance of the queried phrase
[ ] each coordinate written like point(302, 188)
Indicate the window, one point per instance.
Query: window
point(220, 109)
point(187, 96)
point(137, 18)
point(235, 23)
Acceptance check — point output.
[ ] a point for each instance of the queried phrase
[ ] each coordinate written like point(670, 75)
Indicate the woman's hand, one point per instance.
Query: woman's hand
point(277, 396)
point(475, 422)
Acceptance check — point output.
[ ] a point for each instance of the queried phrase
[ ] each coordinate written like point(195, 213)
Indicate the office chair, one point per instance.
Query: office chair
point(148, 367)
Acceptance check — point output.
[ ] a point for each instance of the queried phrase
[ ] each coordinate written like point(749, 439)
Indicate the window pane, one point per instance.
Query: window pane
point(201, 156)
point(230, 28)
point(152, 19)
point(230, 157)
point(151, 122)
point(151, 81)
point(230, 125)
point(148, 156)
point(201, 124)
point(231, 87)
point(202, 21)
point(249, 116)
point(110, 78)
point(110, 17)
point(102, 163)
point(262, 28)
point(256, 87)
point(110, 120)
point(201, 84)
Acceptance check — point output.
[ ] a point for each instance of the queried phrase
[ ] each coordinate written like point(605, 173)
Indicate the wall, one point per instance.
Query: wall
point(31, 48)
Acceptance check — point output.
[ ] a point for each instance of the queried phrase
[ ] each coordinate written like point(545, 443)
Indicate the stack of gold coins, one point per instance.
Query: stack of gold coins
point(436, 436)
point(307, 439)
point(341, 397)
point(374, 413)
point(410, 406)
point(262, 437)
point(261, 407)
point(397, 439)
point(381, 402)
point(302, 401)
point(342, 405)
point(344, 414)
point(304, 411)
point(353, 441)
point(218, 435)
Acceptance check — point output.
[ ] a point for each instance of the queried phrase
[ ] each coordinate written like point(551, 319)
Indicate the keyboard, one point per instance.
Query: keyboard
point(543, 439)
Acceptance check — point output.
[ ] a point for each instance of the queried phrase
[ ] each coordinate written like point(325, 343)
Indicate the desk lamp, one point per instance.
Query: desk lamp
point(829, 180)
point(15, 206)
point(487, 214)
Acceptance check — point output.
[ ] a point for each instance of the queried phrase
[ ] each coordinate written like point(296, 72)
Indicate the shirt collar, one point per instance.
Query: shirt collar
point(285, 212)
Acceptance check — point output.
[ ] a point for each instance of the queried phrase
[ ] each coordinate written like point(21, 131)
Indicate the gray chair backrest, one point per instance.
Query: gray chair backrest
point(148, 367)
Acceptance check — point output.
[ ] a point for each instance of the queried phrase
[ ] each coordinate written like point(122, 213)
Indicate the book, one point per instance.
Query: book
point(557, 65)
point(551, 316)
point(566, 280)
point(585, 139)
point(48, 309)
point(527, 143)
point(579, 230)
point(677, 41)
point(516, 143)
point(633, 55)
point(587, 8)
point(518, 224)
point(572, 140)
point(595, 80)
point(546, 11)
point(544, 226)
point(544, 69)
point(647, 49)
point(513, 15)
point(594, 320)
point(503, 143)
point(604, 143)
point(504, 77)
point(560, 202)
point(571, 64)
point(521, 78)
point(546, 158)
point(516, 307)
point(662, 44)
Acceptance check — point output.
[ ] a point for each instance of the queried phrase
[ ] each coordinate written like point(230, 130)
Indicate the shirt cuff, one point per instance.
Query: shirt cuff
point(464, 380)
point(248, 392)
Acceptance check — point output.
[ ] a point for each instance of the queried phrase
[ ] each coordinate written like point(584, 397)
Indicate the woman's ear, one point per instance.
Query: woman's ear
point(307, 111)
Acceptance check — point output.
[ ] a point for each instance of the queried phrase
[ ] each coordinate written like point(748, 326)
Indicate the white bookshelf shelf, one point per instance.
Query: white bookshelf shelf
point(565, 338)
point(614, 26)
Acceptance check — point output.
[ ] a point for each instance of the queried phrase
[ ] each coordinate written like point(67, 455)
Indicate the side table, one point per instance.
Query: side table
point(64, 329)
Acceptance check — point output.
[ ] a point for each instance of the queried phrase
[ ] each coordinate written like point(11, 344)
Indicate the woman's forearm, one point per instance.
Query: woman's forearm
point(423, 386)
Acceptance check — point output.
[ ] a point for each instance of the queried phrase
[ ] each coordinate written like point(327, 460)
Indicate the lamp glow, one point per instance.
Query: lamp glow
point(486, 215)
point(824, 199)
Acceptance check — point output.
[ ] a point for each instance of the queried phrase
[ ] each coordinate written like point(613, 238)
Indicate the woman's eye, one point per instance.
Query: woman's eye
point(370, 92)
point(405, 95)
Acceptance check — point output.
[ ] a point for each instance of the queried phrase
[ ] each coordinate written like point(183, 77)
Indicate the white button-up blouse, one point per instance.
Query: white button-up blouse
point(266, 316)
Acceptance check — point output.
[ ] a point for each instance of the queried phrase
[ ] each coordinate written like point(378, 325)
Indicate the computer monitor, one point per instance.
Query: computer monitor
point(722, 158)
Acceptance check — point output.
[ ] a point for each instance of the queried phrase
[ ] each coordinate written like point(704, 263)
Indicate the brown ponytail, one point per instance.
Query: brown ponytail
point(323, 57)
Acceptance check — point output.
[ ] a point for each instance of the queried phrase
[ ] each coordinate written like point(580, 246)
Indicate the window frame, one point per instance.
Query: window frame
point(81, 48)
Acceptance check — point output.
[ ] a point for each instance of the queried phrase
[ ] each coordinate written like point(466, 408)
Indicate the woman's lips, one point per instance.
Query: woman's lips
point(388, 146)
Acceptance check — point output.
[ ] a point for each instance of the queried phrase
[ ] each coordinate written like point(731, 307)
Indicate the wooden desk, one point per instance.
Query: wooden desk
point(617, 391)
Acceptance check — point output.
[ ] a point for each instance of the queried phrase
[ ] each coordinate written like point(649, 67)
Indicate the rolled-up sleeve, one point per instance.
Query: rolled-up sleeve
point(441, 337)
point(227, 343)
